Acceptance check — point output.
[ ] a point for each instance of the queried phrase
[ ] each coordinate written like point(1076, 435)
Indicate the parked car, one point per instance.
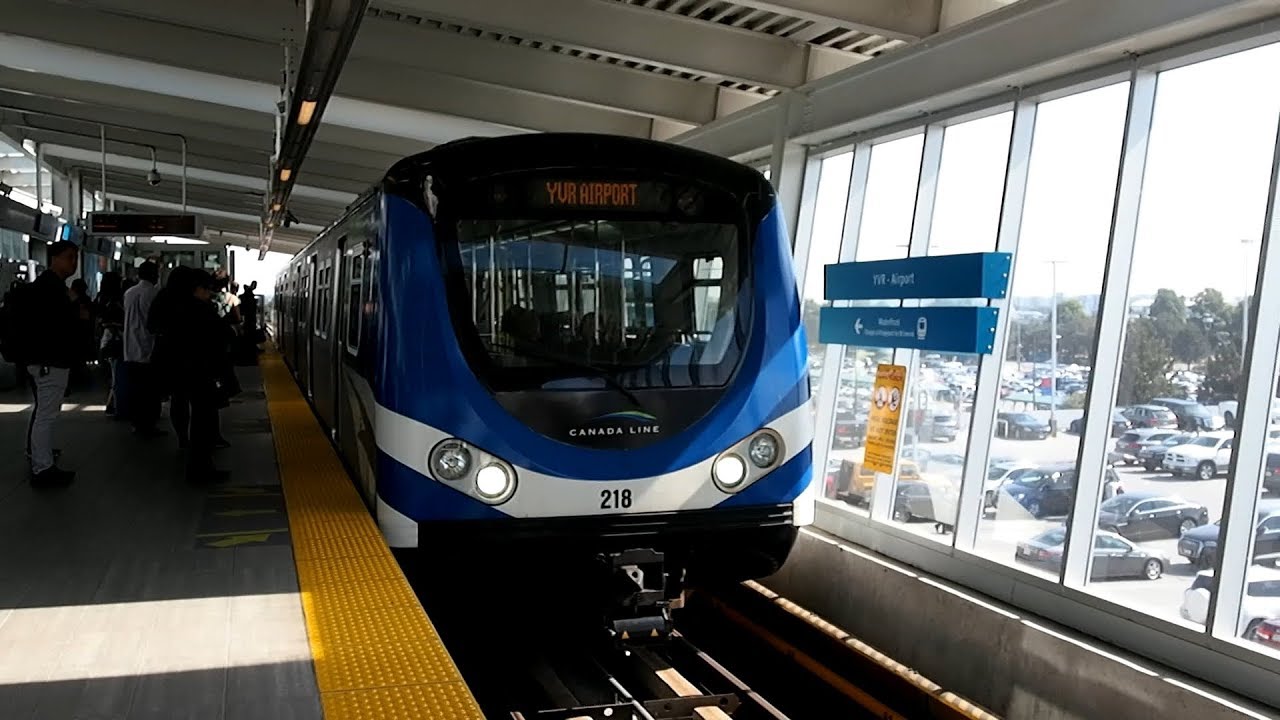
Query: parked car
point(1152, 416)
point(850, 429)
point(1261, 599)
point(1022, 426)
point(1203, 457)
point(1130, 444)
point(1113, 556)
point(1268, 633)
point(1192, 415)
point(1001, 473)
point(1151, 457)
point(1271, 475)
point(1051, 489)
point(926, 498)
point(1119, 424)
point(1200, 545)
point(1146, 515)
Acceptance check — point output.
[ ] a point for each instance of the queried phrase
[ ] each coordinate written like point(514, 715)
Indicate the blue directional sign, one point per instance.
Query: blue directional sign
point(947, 329)
point(974, 275)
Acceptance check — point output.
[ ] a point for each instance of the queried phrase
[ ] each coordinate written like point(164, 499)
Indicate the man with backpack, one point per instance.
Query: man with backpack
point(41, 327)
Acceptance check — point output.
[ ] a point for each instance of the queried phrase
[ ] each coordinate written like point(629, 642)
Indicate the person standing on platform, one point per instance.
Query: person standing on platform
point(199, 345)
point(142, 395)
point(109, 309)
point(53, 346)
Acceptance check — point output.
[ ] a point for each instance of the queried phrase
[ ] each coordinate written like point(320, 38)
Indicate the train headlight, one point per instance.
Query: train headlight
point(729, 471)
point(495, 483)
point(763, 450)
point(451, 460)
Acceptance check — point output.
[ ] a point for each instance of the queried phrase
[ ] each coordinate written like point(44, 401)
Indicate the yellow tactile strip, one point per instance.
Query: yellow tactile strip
point(376, 653)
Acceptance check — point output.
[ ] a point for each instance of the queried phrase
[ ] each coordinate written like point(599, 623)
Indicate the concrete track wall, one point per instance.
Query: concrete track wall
point(1016, 665)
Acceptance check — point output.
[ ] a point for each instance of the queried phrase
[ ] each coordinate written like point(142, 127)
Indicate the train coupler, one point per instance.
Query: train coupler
point(641, 598)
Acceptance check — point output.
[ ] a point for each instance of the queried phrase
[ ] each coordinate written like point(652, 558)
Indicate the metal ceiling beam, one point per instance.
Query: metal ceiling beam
point(89, 100)
point(236, 39)
point(902, 19)
point(208, 212)
point(377, 62)
point(631, 32)
point(322, 175)
point(538, 71)
point(196, 173)
point(77, 63)
point(330, 29)
point(960, 67)
point(211, 196)
point(206, 138)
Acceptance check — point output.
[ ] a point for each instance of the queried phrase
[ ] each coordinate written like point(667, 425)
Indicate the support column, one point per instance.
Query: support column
point(787, 164)
point(1113, 313)
point(833, 356)
point(1249, 456)
point(986, 394)
point(921, 228)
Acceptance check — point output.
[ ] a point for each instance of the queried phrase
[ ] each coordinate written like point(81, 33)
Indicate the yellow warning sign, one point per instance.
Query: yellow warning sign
point(882, 423)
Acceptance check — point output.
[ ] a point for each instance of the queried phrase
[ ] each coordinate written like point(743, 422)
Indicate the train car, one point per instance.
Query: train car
point(563, 340)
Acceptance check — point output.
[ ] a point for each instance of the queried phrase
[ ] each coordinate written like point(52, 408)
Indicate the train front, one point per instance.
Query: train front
point(592, 344)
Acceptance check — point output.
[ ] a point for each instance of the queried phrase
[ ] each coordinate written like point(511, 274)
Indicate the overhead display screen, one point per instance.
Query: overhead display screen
point(143, 224)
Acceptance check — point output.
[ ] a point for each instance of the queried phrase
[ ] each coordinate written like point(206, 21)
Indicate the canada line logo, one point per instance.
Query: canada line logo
point(625, 422)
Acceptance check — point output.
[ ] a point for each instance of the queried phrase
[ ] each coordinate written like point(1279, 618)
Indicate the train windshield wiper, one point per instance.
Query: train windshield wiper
point(585, 368)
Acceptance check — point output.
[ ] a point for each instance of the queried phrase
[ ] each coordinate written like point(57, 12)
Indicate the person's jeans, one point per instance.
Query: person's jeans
point(48, 384)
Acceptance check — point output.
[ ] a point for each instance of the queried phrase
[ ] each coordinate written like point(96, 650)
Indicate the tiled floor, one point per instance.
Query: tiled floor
point(112, 607)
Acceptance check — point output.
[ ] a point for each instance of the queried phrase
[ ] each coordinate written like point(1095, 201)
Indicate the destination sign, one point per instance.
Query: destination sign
point(566, 194)
point(572, 193)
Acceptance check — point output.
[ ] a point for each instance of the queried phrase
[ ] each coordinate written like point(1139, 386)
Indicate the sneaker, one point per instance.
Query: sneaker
point(54, 477)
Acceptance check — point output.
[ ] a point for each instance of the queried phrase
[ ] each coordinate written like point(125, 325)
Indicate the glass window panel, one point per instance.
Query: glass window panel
point(828, 226)
point(940, 389)
point(1062, 249)
point(885, 231)
point(1203, 203)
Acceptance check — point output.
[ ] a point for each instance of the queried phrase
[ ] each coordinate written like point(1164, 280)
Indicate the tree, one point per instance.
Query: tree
point(1075, 332)
point(1168, 312)
point(1145, 366)
point(1222, 375)
point(1190, 345)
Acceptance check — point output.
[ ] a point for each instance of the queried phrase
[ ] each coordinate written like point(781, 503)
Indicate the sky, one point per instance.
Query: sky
point(1204, 188)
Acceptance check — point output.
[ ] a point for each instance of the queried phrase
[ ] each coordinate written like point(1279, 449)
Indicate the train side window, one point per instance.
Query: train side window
point(324, 312)
point(355, 300)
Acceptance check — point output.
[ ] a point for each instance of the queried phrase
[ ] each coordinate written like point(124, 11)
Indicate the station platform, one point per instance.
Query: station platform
point(134, 594)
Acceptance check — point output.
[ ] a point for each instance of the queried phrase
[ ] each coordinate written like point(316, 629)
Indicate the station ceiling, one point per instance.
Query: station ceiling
point(421, 72)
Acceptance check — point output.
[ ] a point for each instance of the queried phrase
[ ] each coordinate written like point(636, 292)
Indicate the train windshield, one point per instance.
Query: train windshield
point(578, 304)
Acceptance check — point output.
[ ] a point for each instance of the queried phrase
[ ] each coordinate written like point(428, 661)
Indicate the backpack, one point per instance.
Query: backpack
point(16, 315)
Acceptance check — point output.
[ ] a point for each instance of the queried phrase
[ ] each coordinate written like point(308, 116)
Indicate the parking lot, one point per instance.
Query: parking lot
point(1001, 530)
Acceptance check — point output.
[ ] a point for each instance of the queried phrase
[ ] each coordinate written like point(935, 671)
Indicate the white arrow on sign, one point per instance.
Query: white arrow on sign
point(857, 325)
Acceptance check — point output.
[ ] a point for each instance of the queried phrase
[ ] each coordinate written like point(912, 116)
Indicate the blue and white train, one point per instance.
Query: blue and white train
point(579, 339)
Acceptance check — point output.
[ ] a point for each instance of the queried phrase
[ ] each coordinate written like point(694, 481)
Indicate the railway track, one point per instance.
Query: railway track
point(531, 650)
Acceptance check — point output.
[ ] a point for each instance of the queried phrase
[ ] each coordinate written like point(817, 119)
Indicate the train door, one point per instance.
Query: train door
point(355, 397)
point(306, 313)
point(324, 337)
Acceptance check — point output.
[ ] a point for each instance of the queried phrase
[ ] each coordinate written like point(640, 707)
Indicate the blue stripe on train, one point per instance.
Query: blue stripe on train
point(421, 373)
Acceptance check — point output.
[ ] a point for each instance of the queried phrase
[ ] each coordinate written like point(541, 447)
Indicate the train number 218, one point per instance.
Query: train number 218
point(615, 499)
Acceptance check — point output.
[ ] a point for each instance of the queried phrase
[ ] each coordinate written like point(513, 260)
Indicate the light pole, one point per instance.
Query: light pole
point(1053, 350)
point(1244, 304)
